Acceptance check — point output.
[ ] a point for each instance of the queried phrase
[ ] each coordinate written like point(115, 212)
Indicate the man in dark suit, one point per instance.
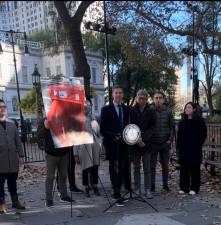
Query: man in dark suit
point(114, 118)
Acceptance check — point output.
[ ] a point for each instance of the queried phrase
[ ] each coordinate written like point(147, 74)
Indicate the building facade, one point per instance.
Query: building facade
point(34, 16)
point(48, 65)
point(177, 96)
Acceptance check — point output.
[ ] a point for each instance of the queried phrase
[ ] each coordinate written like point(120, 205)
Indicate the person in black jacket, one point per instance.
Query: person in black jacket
point(145, 118)
point(161, 139)
point(56, 159)
point(191, 135)
point(114, 118)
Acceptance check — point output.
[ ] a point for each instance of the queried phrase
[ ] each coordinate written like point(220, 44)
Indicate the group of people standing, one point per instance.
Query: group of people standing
point(157, 128)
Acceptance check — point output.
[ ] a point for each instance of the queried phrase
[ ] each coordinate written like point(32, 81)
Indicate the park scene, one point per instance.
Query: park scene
point(110, 112)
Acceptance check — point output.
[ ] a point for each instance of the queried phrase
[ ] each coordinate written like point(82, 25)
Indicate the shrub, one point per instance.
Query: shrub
point(214, 119)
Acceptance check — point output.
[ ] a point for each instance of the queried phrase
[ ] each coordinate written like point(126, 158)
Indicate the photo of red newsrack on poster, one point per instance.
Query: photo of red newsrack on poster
point(64, 101)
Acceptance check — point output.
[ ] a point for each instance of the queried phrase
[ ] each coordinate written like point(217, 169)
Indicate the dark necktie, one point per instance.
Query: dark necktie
point(120, 115)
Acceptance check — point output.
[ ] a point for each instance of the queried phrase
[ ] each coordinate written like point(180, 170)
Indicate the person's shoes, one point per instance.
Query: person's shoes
point(49, 203)
point(148, 194)
point(3, 209)
point(166, 188)
point(192, 193)
point(181, 192)
point(87, 192)
point(115, 197)
point(17, 205)
point(119, 202)
point(76, 190)
point(67, 199)
point(96, 191)
point(124, 200)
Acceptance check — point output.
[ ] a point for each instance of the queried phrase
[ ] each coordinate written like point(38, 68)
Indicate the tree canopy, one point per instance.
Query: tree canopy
point(138, 59)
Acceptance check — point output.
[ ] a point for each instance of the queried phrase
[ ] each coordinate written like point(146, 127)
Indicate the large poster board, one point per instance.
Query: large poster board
point(64, 102)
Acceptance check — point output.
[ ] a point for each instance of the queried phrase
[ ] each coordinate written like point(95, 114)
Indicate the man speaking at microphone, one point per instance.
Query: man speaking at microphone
point(114, 118)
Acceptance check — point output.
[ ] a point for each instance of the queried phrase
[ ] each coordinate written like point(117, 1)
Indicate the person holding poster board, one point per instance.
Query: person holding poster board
point(56, 159)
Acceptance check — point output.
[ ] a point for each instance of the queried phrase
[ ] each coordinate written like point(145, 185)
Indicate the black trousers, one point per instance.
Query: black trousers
point(12, 185)
point(71, 172)
point(119, 171)
point(190, 178)
point(92, 174)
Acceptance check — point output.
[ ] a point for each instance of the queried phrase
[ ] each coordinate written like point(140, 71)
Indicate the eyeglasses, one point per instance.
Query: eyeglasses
point(2, 107)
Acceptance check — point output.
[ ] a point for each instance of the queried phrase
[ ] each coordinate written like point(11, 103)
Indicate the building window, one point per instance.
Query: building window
point(48, 72)
point(58, 70)
point(94, 75)
point(95, 103)
point(14, 104)
point(12, 73)
point(25, 74)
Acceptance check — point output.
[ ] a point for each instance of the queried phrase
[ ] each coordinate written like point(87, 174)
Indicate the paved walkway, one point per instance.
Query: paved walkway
point(203, 209)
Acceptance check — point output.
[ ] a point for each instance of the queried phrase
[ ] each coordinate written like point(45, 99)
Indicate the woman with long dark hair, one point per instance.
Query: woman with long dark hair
point(192, 133)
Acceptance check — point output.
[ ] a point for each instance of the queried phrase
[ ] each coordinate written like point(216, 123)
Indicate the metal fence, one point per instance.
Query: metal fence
point(31, 149)
point(211, 148)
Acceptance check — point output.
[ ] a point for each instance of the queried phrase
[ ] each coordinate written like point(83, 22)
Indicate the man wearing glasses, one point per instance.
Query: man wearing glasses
point(11, 154)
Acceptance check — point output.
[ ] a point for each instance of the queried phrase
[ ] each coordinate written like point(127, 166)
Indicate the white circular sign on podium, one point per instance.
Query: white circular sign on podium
point(131, 134)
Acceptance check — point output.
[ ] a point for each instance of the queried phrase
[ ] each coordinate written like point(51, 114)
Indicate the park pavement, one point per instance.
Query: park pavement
point(202, 209)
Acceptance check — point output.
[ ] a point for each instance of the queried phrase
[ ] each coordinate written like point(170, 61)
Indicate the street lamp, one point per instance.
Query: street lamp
point(192, 52)
point(12, 33)
point(36, 81)
point(104, 28)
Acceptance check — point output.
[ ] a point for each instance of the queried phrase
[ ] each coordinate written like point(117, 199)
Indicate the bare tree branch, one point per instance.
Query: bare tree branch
point(81, 10)
point(62, 11)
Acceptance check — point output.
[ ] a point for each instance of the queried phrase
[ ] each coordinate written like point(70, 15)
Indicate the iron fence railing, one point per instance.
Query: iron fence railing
point(31, 149)
point(211, 148)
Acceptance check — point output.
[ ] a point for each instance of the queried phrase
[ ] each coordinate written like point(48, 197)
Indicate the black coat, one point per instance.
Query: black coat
point(146, 121)
point(45, 134)
point(191, 135)
point(110, 127)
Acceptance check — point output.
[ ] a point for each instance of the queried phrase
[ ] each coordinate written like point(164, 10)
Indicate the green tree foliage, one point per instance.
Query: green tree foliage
point(45, 36)
point(28, 103)
point(138, 59)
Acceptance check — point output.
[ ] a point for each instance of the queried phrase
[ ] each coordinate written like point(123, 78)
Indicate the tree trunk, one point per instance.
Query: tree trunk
point(72, 26)
point(82, 69)
point(210, 101)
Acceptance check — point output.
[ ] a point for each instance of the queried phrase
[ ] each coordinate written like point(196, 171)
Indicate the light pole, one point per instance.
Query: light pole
point(193, 53)
point(36, 81)
point(195, 97)
point(106, 29)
